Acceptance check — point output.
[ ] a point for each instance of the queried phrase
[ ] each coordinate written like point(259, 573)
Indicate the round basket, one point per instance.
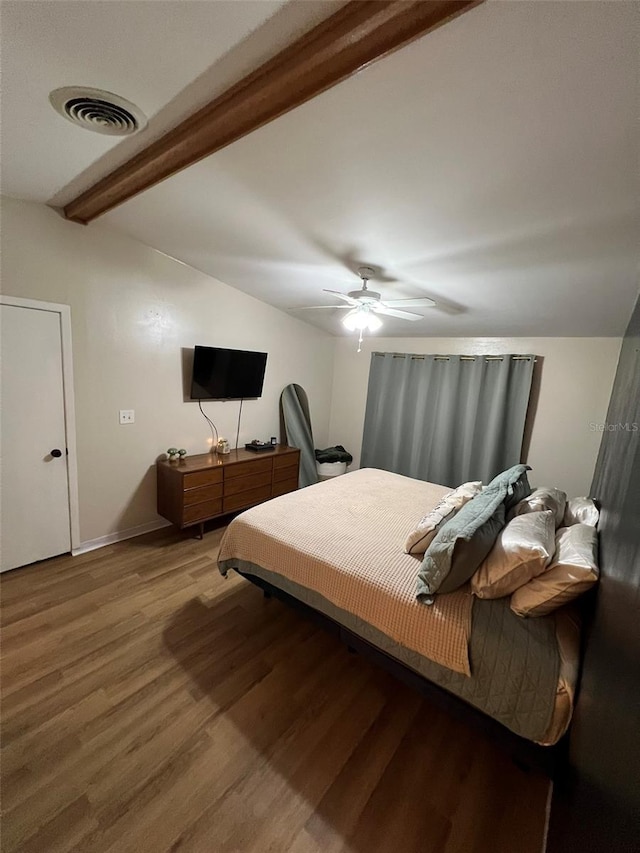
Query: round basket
point(326, 470)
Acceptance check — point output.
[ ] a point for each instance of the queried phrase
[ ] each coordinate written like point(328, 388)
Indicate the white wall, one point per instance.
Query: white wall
point(132, 310)
point(577, 378)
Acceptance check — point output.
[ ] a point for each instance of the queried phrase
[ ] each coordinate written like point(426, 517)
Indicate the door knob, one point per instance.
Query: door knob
point(57, 453)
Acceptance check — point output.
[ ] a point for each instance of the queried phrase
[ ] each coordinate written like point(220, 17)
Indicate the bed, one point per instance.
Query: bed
point(337, 547)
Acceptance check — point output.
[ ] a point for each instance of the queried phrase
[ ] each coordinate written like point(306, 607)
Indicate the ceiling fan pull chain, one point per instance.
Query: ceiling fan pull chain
point(360, 342)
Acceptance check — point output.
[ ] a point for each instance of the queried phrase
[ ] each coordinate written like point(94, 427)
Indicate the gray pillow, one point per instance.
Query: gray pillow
point(468, 553)
point(462, 543)
point(452, 558)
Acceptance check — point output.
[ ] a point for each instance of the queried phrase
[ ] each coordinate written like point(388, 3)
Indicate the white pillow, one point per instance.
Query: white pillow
point(425, 531)
point(581, 511)
point(573, 571)
point(542, 499)
point(522, 551)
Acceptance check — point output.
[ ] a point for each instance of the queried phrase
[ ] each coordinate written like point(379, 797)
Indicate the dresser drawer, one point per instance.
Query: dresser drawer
point(289, 473)
point(200, 512)
point(244, 469)
point(202, 494)
point(286, 460)
point(202, 478)
point(245, 484)
point(245, 499)
point(284, 486)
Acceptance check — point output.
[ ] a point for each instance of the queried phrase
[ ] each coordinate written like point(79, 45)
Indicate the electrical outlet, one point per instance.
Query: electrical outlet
point(127, 416)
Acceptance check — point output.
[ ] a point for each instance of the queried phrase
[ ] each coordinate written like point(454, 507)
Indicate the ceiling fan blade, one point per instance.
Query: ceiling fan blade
point(353, 302)
point(393, 312)
point(415, 302)
point(313, 307)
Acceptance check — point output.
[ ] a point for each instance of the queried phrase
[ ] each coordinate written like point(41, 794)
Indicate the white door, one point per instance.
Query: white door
point(34, 485)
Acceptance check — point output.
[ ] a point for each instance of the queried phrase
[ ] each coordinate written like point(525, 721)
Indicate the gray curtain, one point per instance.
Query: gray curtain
point(446, 419)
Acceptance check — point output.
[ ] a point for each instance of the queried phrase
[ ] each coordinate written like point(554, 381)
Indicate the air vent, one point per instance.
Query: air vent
point(94, 109)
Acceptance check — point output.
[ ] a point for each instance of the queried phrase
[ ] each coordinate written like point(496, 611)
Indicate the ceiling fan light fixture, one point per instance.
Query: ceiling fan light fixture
point(361, 319)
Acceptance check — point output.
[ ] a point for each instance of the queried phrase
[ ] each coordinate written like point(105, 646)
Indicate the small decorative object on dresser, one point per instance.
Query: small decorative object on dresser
point(208, 485)
point(223, 447)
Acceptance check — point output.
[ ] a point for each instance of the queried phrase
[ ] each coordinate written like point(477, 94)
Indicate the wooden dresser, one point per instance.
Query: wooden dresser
point(203, 487)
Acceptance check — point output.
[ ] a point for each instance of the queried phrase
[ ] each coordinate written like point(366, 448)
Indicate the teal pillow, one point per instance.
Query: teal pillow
point(465, 540)
point(445, 566)
point(517, 483)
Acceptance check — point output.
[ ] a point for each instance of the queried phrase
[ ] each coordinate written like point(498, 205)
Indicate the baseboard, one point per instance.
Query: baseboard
point(119, 536)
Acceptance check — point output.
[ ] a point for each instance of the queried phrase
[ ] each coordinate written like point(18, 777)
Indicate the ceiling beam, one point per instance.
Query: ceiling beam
point(356, 35)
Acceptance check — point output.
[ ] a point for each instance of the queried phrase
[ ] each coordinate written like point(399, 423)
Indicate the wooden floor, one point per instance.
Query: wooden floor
point(150, 705)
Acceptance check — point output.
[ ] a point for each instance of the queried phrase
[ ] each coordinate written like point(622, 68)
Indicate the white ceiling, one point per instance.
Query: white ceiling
point(149, 51)
point(492, 165)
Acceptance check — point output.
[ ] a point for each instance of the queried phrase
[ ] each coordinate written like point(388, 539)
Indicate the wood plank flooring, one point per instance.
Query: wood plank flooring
point(151, 705)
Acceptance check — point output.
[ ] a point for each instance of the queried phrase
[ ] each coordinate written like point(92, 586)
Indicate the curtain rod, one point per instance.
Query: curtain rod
point(462, 357)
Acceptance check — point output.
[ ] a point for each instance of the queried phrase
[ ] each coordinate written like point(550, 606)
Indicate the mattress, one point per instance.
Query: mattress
point(344, 540)
point(338, 547)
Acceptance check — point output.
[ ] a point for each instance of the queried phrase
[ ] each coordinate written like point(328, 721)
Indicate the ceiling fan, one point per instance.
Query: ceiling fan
point(365, 304)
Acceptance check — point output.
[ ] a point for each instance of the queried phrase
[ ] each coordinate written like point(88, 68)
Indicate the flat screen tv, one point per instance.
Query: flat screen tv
point(227, 374)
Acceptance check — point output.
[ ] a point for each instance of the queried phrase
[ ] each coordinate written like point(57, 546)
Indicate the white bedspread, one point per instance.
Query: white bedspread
point(344, 539)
